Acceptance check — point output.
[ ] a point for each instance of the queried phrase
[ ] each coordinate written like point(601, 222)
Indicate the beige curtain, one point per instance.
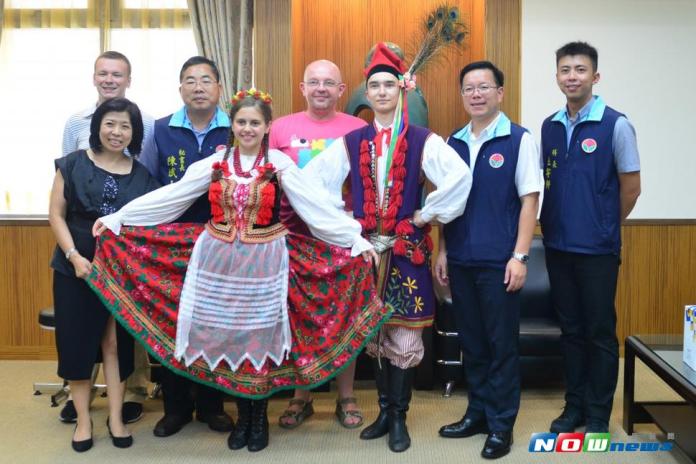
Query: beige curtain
point(223, 32)
point(2, 17)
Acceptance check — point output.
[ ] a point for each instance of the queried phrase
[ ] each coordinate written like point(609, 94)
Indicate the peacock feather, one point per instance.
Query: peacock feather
point(442, 28)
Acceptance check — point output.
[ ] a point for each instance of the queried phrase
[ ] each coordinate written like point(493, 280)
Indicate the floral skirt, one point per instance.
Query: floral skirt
point(332, 306)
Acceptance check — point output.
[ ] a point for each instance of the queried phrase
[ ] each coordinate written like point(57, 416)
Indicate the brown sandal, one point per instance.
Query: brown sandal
point(343, 415)
point(297, 416)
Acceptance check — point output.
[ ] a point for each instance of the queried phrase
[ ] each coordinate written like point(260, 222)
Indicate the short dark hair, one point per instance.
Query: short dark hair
point(112, 55)
point(473, 66)
point(194, 60)
point(578, 48)
point(118, 105)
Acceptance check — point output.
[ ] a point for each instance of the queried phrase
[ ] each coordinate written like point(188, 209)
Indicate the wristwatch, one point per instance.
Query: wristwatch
point(70, 252)
point(521, 257)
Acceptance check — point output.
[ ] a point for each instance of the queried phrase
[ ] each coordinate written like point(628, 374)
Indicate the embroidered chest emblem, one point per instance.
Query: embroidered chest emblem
point(496, 160)
point(589, 145)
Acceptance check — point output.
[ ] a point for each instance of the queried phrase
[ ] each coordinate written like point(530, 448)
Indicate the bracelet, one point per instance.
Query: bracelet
point(70, 252)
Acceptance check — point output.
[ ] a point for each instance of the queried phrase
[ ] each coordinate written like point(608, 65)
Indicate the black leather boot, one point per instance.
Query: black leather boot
point(258, 434)
point(400, 385)
point(380, 427)
point(240, 435)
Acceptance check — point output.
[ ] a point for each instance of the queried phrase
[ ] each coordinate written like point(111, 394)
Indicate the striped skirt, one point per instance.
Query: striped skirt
point(233, 303)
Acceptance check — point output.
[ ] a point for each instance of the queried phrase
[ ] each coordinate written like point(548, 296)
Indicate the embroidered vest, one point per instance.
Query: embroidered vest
point(178, 149)
point(223, 225)
point(581, 212)
point(413, 182)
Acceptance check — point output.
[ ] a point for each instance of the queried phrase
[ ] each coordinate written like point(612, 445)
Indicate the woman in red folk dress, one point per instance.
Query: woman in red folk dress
point(256, 311)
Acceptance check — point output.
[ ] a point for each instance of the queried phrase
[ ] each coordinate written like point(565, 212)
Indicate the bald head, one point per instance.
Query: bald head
point(325, 67)
point(322, 87)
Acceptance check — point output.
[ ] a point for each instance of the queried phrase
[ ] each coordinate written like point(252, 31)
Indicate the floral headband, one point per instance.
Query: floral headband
point(252, 92)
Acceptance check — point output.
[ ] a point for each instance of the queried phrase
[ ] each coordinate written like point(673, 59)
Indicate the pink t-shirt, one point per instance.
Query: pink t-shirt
point(302, 138)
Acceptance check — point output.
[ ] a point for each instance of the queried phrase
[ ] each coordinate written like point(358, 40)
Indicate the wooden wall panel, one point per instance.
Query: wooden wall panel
point(657, 278)
point(272, 52)
point(503, 29)
point(344, 31)
point(25, 288)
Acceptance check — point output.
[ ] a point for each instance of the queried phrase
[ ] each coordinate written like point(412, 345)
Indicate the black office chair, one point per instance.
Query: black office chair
point(540, 333)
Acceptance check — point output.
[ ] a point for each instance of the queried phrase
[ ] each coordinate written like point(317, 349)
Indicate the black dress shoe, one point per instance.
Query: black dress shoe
point(132, 412)
point(497, 445)
point(119, 442)
point(464, 428)
point(83, 445)
point(567, 422)
point(596, 426)
point(220, 421)
point(68, 414)
point(170, 424)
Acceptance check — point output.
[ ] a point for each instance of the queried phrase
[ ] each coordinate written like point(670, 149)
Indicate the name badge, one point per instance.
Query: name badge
point(589, 145)
point(496, 160)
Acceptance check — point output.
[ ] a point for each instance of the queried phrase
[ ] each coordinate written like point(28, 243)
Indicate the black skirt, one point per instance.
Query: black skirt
point(80, 323)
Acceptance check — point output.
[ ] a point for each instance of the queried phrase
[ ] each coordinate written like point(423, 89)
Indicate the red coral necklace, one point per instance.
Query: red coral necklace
point(384, 214)
point(237, 163)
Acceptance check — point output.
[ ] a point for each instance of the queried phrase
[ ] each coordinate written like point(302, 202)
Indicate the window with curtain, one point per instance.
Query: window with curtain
point(47, 54)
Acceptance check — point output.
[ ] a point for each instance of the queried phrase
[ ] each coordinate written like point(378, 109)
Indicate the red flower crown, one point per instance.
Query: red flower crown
point(252, 92)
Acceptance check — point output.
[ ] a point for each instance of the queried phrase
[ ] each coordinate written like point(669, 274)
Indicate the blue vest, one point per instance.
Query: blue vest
point(581, 212)
point(486, 233)
point(178, 149)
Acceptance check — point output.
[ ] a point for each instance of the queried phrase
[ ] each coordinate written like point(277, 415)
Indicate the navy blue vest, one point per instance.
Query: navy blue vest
point(486, 233)
point(177, 148)
point(413, 183)
point(581, 212)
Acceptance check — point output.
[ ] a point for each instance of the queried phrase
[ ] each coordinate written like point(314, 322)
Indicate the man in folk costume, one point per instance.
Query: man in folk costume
point(388, 162)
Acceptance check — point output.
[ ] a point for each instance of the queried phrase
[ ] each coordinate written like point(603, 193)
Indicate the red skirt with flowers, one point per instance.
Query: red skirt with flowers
point(333, 306)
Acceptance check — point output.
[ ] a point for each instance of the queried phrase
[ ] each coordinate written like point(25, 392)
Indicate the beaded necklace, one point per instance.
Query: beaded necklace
point(237, 163)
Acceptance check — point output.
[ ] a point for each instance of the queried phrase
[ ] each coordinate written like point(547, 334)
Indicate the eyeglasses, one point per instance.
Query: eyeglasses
point(329, 84)
point(204, 82)
point(483, 89)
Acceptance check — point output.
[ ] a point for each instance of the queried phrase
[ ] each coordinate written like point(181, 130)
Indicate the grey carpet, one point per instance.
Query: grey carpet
point(31, 432)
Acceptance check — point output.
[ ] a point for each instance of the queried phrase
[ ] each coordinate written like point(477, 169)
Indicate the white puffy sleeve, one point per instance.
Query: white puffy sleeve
point(166, 203)
point(451, 177)
point(331, 167)
point(311, 202)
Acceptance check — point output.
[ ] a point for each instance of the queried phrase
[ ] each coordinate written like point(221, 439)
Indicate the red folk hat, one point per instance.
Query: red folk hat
point(384, 60)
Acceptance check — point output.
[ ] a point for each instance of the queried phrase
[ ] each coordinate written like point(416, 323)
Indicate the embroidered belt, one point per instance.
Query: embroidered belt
point(382, 243)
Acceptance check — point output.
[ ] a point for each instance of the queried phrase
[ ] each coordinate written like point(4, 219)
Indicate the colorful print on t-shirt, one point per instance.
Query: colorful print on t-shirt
point(308, 149)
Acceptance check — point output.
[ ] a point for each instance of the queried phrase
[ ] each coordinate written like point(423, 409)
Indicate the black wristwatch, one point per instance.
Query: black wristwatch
point(521, 257)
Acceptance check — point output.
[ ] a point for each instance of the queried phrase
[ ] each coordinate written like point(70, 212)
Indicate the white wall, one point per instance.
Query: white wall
point(647, 62)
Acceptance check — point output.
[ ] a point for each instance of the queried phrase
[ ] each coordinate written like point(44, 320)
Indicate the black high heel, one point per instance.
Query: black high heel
point(119, 442)
point(83, 445)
